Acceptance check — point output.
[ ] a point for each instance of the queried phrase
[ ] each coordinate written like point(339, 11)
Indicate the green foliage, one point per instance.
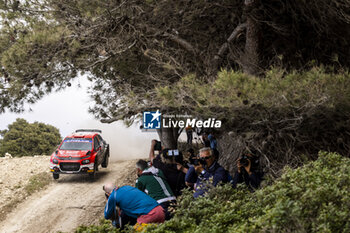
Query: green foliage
point(235, 90)
point(312, 198)
point(25, 139)
point(104, 227)
point(149, 44)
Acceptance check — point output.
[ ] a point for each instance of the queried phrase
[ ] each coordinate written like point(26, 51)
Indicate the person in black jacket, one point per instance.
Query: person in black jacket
point(169, 161)
point(247, 171)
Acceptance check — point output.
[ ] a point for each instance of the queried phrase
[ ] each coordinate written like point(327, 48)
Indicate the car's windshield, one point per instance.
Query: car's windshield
point(76, 144)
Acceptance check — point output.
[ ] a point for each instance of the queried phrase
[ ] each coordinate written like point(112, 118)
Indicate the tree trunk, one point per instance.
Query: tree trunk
point(168, 137)
point(251, 63)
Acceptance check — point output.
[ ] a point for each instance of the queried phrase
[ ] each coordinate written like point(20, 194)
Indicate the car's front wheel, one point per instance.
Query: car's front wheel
point(92, 175)
point(56, 175)
point(106, 160)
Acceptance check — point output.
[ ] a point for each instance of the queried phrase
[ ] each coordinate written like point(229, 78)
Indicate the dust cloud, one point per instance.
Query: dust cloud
point(125, 143)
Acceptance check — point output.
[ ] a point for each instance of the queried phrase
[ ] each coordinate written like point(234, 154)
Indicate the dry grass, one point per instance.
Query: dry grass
point(37, 182)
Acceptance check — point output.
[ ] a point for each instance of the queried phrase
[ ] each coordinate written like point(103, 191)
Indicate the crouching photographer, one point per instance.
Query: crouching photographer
point(248, 171)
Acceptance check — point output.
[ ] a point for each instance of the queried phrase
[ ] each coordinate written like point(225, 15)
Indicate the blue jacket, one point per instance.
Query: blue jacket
point(215, 170)
point(131, 201)
point(213, 143)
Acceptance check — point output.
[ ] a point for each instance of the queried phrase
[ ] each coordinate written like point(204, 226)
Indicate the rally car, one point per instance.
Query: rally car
point(80, 152)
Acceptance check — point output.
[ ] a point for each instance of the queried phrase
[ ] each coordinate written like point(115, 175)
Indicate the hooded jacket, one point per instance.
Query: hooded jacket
point(153, 182)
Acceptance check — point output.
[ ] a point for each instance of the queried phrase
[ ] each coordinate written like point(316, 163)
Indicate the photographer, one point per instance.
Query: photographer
point(205, 168)
point(133, 204)
point(191, 157)
point(170, 162)
point(247, 171)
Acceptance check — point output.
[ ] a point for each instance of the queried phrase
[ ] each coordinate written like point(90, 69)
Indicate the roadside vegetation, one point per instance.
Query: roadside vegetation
point(38, 182)
point(311, 198)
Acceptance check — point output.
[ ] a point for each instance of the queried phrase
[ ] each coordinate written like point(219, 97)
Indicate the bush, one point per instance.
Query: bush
point(105, 226)
point(312, 198)
point(25, 139)
point(233, 90)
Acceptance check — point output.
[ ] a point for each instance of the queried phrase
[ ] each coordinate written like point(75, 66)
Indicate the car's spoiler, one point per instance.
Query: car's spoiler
point(88, 130)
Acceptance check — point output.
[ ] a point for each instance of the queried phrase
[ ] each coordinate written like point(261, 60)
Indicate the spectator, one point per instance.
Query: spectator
point(212, 141)
point(248, 171)
point(191, 157)
point(189, 133)
point(133, 203)
point(205, 139)
point(207, 167)
point(213, 145)
point(172, 170)
point(153, 182)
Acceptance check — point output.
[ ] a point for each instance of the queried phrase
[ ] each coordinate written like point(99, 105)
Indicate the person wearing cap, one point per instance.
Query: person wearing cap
point(200, 175)
point(133, 203)
point(152, 181)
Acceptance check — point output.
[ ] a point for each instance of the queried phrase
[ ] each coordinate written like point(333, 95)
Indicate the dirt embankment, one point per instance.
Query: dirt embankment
point(15, 174)
point(63, 205)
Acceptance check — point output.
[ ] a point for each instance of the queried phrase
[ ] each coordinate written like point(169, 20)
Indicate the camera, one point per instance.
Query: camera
point(244, 160)
point(199, 161)
point(158, 146)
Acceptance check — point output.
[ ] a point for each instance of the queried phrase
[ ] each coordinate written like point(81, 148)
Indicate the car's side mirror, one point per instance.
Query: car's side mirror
point(89, 152)
point(56, 152)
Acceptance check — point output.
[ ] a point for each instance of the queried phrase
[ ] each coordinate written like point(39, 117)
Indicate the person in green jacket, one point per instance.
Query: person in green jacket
point(152, 181)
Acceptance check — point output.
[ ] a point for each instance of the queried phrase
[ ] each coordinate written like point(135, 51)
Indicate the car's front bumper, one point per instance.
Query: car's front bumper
point(83, 168)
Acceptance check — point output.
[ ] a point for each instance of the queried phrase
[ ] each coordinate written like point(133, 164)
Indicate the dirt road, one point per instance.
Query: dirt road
point(65, 204)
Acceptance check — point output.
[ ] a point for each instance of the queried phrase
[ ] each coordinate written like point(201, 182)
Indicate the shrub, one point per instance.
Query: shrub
point(105, 226)
point(26, 139)
point(312, 198)
point(233, 90)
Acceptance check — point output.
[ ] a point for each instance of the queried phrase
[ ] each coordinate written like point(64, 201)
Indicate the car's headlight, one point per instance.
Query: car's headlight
point(55, 161)
point(86, 161)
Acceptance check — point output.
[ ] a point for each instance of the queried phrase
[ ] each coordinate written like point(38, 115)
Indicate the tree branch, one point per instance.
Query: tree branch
point(224, 47)
point(110, 120)
point(181, 42)
point(112, 54)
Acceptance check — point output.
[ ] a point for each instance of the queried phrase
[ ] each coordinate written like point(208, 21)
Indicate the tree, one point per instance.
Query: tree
point(26, 139)
point(130, 49)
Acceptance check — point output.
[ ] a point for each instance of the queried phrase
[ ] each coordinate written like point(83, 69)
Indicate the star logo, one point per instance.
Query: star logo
point(156, 115)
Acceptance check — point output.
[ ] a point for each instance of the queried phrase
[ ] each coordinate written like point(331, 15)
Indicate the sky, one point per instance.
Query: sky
point(68, 110)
